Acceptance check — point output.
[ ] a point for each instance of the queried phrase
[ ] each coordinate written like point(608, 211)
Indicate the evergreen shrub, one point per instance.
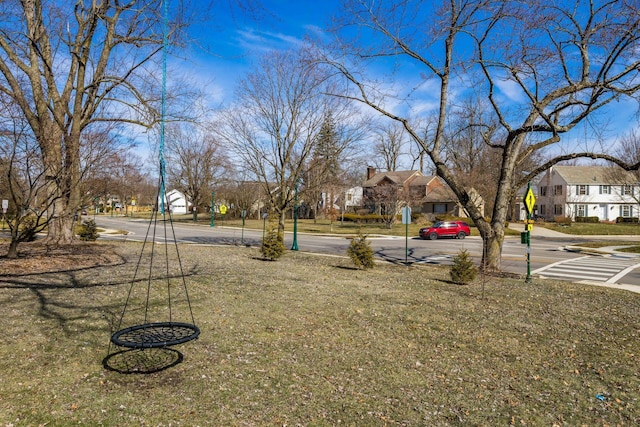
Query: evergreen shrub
point(360, 252)
point(463, 271)
point(88, 231)
point(273, 245)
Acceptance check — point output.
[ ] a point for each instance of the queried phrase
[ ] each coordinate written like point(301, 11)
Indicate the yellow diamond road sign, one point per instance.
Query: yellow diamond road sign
point(529, 201)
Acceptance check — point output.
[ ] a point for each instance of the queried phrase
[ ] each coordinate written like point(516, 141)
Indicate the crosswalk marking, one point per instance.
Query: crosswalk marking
point(600, 269)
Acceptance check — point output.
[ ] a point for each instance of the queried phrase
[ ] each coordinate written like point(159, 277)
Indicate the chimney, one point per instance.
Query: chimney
point(371, 171)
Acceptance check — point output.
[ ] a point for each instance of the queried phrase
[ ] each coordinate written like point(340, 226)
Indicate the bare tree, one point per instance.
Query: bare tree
point(66, 64)
point(275, 125)
point(23, 180)
point(386, 200)
point(625, 182)
point(390, 145)
point(628, 147)
point(562, 61)
point(195, 164)
point(244, 195)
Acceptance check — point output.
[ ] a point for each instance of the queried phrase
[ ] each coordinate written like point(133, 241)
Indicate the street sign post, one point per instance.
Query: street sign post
point(406, 220)
point(5, 206)
point(529, 201)
point(223, 212)
point(243, 214)
point(213, 210)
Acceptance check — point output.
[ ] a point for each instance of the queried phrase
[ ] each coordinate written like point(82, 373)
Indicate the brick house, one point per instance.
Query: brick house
point(427, 194)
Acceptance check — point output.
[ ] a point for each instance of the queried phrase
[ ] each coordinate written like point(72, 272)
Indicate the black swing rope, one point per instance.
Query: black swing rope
point(165, 333)
point(156, 334)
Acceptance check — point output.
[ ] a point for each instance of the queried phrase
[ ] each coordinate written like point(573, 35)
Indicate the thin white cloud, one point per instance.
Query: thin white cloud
point(315, 32)
point(511, 90)
point(261, 41)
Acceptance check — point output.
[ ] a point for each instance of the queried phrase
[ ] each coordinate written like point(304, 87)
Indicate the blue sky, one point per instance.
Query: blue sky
point(228, 44)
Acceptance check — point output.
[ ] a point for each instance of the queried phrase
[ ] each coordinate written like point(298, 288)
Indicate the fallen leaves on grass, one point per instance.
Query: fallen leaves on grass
point(37, 258)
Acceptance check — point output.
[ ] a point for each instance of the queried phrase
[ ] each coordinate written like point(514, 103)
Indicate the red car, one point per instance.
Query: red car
point(459, 229)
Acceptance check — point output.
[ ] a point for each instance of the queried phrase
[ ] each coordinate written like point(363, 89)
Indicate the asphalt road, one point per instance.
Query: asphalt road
point(546, 252)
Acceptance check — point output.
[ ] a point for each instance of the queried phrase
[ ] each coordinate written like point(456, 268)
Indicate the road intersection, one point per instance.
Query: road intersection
point(550, 259)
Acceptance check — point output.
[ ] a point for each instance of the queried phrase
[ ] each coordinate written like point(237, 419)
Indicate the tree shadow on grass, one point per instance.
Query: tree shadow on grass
point(411, 258)
point(77, 299)
point(348, 267)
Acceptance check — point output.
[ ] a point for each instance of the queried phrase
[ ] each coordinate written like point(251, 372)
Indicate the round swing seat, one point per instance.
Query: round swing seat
point(155, 335)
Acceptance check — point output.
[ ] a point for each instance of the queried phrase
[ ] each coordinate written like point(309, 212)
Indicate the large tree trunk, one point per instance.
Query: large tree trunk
point(61, 230)
point(492, 252)
point(13, 249)
point(63, 176)
point(281, 221)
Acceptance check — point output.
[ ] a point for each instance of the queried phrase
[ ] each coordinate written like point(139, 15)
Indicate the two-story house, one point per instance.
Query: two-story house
point(348, 200)
point(605, 192)
point(427, 194)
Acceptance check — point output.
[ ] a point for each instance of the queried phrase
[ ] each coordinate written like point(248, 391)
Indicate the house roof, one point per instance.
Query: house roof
point(423, 180)
point(594, 175)
point(440, 194)
point(397, 177)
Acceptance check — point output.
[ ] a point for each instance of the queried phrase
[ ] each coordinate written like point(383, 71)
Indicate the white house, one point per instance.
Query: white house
point(176, 202)
point(605, 192)
point(353, 198)
point(343, 201)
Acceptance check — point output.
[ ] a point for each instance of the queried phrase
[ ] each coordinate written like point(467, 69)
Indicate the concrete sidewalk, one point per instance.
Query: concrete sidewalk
point(538, 231)
point(543, 232)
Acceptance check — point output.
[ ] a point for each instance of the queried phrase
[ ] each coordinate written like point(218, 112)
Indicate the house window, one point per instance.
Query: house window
point(626, 211)
point(543, 190)
point(582, 190)
point(557, 209)
point(582, 210)
point(440, 208)
point(543, 210)
point(605, 189)
point(627, 190)
point(349, 197)
point(557, 190)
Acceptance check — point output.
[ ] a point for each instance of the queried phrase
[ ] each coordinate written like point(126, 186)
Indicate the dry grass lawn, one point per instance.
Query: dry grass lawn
point(308, 340)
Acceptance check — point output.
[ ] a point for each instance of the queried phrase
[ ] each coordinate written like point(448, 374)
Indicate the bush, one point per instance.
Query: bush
point(448, 217)
point(360, 252)
point(589, 219)
point(363, 218)
point(562, 220)
point(626, 219)
point(88, 231)
point(422, 220)
point(463, 271)
point(28, 228)
point(272, 245)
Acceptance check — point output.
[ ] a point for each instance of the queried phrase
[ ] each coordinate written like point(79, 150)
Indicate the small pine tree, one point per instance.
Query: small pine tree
point(360, 252)
point(88, 231)
point(463, 271)
point(272, 245)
